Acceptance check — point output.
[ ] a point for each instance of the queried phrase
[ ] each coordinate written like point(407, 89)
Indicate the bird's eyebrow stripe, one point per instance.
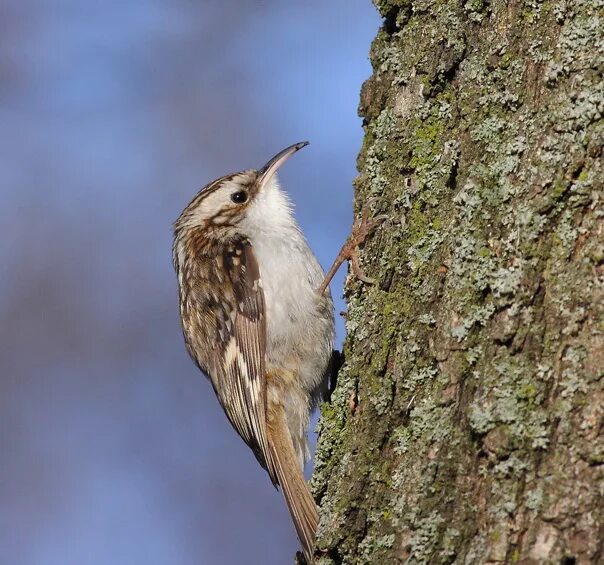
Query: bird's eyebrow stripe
point(209, 188)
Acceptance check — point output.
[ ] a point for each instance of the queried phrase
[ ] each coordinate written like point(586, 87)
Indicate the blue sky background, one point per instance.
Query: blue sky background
point(113, 449)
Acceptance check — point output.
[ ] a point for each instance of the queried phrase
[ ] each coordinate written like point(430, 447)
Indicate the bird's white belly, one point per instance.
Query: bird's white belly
point(289, 285)
point(299, 322)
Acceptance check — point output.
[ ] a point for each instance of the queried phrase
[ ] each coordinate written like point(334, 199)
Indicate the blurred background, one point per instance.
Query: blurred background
point(113, 449)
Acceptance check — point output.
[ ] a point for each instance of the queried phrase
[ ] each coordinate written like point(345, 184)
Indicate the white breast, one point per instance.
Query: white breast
point(299, 323)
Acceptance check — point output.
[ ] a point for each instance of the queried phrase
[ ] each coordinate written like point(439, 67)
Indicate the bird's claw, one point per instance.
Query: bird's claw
point(361, 229)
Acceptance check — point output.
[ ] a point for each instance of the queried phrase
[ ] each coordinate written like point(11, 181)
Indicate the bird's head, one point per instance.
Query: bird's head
point(240, 202)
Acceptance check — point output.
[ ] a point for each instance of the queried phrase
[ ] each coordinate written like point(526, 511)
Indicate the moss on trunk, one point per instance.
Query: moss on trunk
point(467, 423)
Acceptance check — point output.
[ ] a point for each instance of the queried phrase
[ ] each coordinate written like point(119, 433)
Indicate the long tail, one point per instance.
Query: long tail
point(300, 502)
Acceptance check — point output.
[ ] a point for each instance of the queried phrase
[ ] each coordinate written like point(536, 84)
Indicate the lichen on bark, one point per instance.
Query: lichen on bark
point(466, 425)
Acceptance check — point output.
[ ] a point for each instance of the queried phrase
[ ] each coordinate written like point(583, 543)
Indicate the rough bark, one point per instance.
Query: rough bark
point(467, 422)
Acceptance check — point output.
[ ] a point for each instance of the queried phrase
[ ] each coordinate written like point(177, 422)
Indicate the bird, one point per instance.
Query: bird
point(258, 319)
point(254, 322)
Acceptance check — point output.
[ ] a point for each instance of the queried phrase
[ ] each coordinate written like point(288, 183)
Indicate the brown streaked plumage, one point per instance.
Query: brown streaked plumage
point(257, 318)
point(266, 368)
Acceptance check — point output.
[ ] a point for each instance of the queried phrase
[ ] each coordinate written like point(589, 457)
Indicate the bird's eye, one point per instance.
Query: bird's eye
point(239, 197)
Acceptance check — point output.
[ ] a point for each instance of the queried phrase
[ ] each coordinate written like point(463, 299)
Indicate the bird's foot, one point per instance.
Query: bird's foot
point(361, 229)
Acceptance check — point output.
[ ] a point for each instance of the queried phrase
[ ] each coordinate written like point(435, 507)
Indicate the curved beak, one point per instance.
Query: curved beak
point(266, 172)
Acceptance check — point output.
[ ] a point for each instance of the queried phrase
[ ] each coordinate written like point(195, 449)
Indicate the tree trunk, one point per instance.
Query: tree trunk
point(466, 425)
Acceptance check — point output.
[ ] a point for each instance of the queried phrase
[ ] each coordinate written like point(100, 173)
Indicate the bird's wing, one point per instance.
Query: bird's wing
point(240, 372)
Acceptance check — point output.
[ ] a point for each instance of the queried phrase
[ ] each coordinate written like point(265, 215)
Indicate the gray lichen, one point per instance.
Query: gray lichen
point(466, 417)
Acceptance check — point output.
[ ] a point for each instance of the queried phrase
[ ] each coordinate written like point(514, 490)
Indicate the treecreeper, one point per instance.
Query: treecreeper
point(257, 318)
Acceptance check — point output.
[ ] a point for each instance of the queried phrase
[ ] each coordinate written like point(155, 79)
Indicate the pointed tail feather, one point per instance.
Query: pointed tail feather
point(286, 466)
